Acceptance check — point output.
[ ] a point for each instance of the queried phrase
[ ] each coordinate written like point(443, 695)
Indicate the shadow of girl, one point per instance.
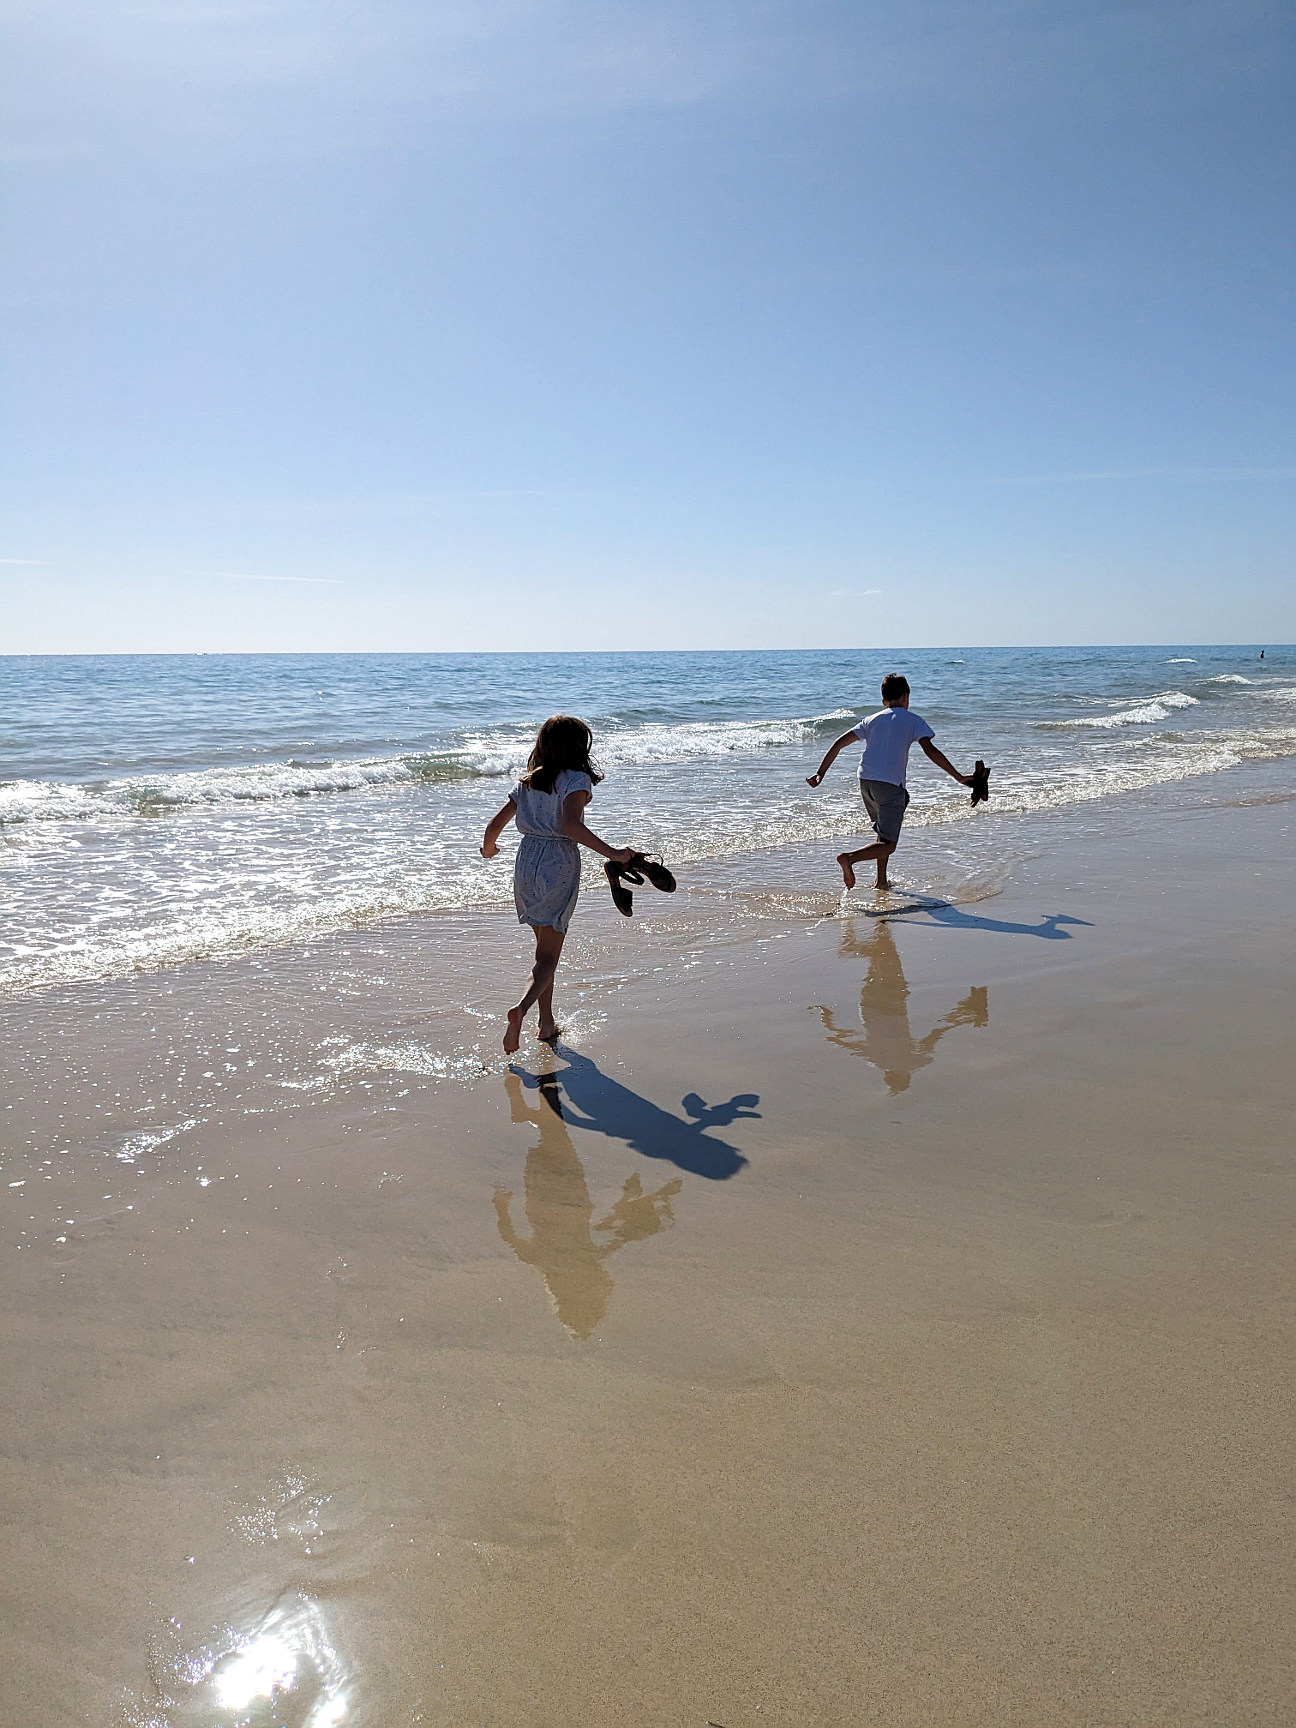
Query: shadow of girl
point(605, 1106)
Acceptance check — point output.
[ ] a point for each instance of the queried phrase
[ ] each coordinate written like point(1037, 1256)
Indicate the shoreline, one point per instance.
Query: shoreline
point(250, 812)
point(959, 855)
point(890, 1324)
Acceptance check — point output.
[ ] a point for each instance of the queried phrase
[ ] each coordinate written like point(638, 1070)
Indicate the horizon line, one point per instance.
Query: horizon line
point(552, 653)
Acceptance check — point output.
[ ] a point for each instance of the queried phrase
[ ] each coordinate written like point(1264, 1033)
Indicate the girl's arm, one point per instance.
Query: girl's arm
point(834, 750)
point(495, 827)
point(573, 826)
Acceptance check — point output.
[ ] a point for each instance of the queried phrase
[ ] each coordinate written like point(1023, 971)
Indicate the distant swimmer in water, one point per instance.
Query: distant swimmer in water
point(548, 805)
point(887, 737)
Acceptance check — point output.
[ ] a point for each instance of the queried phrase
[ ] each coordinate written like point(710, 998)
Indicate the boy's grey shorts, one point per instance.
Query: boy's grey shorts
point(886, 805)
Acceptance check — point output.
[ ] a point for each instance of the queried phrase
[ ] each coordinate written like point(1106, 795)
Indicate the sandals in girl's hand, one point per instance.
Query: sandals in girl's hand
point(635, 870)
point(618, 875)
point(980, 782)
point(655, 871)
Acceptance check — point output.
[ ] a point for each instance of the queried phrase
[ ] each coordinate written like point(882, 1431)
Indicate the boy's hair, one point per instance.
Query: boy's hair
point(894, 686)
point(562, 742)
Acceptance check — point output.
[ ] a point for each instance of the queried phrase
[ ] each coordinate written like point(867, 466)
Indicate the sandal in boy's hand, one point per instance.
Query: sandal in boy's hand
point(979, 781)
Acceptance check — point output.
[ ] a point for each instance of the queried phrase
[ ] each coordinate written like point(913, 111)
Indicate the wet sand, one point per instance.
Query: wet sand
point(889, 1321)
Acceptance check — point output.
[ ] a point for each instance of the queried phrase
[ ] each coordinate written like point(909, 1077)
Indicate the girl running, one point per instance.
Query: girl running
point(548, 803)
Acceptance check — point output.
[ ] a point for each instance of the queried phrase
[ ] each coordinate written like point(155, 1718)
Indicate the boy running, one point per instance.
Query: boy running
point(887, 737)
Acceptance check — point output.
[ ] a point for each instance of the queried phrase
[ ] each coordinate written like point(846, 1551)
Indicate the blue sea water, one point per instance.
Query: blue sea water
point(158, 809)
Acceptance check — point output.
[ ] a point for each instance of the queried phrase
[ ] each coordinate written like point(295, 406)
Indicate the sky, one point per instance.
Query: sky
point(542, 324)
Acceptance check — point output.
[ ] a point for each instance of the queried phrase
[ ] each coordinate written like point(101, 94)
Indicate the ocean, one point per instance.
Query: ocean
point(159, 810)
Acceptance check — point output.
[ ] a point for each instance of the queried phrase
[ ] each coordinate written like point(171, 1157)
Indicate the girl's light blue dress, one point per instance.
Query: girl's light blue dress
point(546, 877)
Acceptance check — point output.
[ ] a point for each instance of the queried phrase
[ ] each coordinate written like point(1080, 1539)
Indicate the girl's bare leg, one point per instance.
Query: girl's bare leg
point(548, 949)
point(548, 1028)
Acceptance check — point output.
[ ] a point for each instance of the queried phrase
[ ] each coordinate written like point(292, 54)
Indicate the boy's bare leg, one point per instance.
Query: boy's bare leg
point(880, 849)
point(548, 949)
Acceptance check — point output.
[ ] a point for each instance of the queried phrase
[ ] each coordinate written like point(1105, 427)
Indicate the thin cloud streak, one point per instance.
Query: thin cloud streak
point(1146, 474)
point(277, 78)
point(244, 576)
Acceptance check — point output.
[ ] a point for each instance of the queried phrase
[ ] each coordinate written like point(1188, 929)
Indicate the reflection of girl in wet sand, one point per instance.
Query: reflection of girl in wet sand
point(886, 1040)
point(559, 1211)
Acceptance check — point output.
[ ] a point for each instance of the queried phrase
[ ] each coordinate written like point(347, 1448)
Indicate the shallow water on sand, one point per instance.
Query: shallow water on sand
point(856, 1294)
point(154, 811)
point(128, 1072)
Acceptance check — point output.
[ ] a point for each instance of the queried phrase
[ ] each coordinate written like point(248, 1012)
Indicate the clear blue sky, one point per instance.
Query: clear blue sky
point(434, 324)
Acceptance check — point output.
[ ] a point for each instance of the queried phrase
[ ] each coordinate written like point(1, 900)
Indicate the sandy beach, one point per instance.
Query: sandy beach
point(862, 1319)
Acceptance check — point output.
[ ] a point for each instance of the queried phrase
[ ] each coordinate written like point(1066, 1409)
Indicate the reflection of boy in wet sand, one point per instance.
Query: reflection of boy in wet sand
point(559, 1211)
point(887, 738)
point(886, 1040)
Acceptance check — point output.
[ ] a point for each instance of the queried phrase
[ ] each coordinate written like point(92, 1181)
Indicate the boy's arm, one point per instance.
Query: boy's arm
point(830, 756)
point(495, 827)
point(942, 761)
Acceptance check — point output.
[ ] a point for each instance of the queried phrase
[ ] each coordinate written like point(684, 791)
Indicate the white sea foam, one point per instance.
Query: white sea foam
point(622, 745)
point(1142, 714)
point(483, 756)
point(34, 800)
point(463, 1063)
point(172, 935)
point(223, 787)
point(156, 870)
point(1181, 660)
point(1229, 678)
point(150, 1139)
point(250, 899)
point(411, 1057)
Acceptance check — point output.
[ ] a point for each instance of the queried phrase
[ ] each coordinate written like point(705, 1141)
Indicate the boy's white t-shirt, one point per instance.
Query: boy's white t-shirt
point(887, 737)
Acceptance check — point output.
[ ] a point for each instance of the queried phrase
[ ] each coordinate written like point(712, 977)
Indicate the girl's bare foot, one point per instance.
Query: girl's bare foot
point(883, 887)
point(847, 870)
point(550, 1034)
point(513, 1036)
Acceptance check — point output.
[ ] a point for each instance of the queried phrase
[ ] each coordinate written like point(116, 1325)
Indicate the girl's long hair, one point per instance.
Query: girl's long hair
point(562, 742)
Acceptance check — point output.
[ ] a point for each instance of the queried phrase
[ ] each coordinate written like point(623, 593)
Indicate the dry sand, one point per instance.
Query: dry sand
point(890, 1324)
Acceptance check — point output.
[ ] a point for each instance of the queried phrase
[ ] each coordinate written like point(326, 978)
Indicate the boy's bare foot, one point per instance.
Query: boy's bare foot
point(847, 870)
point(513, 1035)
point(550, 1034)
point(883, 887)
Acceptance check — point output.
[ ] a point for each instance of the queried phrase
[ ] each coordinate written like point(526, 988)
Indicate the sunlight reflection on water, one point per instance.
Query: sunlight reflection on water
point(285, 1672)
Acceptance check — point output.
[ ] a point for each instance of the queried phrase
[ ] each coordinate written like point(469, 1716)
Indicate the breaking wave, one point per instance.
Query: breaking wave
point(484, 756)
point(156, 795)
point(1142, 714)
